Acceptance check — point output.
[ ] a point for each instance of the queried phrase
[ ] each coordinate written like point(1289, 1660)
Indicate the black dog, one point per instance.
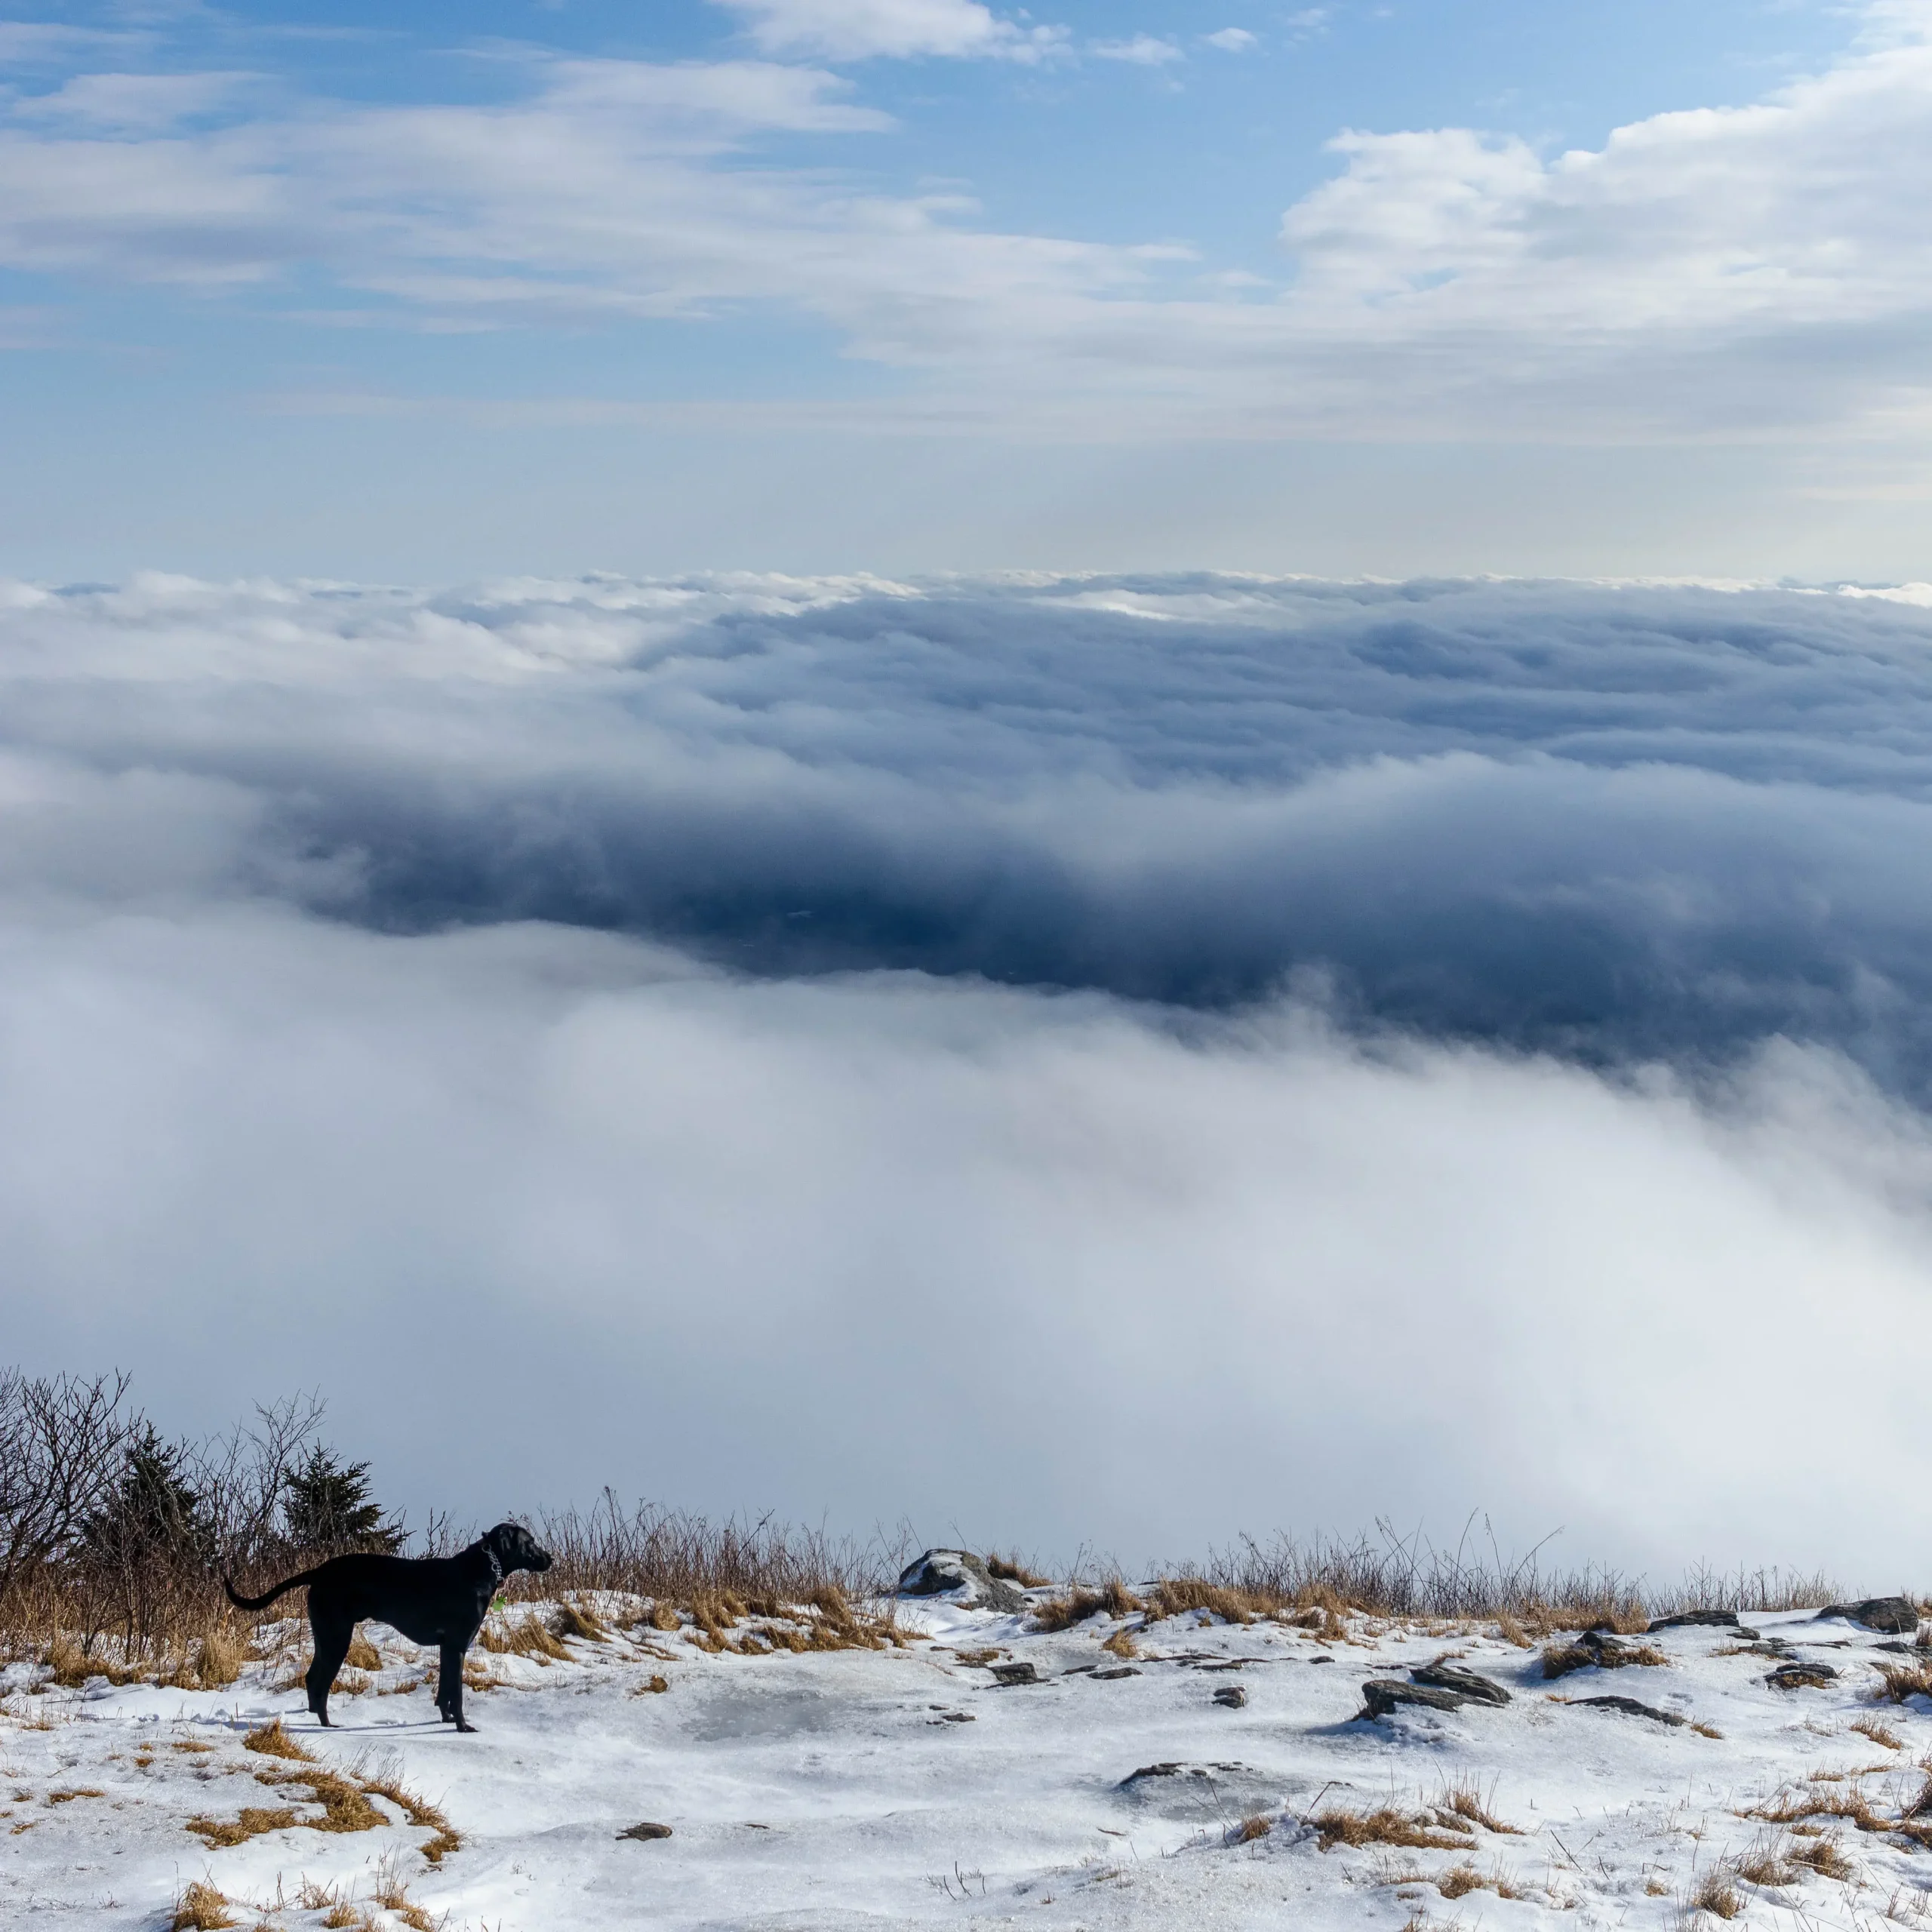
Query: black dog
point(440, 1600)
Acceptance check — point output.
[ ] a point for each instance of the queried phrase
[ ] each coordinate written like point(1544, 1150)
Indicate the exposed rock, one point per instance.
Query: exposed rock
point(1630, 1707)
point(1698, 1620)
point(944, 1572)
point(1195, 1792)
point(1443, 1675)
point(1897, 1617)
point(1801, 1677)
point(1232, 1695)
point(1109, 1676)
point(1015, 1673)
point(1381, 1696)
point(646, 1832)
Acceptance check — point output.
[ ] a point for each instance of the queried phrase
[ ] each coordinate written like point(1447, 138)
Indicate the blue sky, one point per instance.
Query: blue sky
point(923, 285)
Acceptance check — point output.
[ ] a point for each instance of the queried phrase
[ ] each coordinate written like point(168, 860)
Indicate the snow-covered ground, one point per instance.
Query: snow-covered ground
point(843, 1789)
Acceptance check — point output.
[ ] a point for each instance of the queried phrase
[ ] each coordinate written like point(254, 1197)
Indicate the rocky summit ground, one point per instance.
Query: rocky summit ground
point(1221, 1777)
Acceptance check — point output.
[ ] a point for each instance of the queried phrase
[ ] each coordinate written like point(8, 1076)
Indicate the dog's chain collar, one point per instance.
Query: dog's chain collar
point(495, 1569)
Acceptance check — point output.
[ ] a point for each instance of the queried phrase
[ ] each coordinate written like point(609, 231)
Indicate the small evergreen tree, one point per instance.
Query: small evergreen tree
point(152, 1509)
point(326, 1505)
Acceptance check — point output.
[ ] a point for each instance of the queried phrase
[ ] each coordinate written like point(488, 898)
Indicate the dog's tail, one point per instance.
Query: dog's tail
point(262, 1602)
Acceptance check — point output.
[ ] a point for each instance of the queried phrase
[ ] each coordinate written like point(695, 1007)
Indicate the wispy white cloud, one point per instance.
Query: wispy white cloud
point(864, 30)
point(1143, 50)
point(1751, 270)
point(1231, 40)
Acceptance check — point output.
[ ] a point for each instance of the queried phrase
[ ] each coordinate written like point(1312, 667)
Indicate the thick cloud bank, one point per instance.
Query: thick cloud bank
point(1111, 1059)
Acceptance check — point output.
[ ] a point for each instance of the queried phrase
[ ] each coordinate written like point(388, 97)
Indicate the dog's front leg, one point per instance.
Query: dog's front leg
point(449, 1684)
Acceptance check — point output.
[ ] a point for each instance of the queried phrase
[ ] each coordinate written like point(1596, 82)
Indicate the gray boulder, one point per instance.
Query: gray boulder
point(1801, 1677)
point(959, 1574)
point(1443, 1675)
point(1698, 1620)
point(1629, 1707)
point(1383, 1697)
point(1897, 1617)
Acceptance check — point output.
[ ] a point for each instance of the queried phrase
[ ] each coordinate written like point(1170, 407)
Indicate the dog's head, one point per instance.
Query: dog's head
point(515, 1548)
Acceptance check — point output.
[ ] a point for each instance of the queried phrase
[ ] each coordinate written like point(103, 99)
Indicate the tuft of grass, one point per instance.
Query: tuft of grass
point(1121, 1643)
point(571, 1620)
point(393, 1895)
point(421, 1814)
point(1879, 1733)
point(254, 1821)
point(200, 1909)
point(1559, 1659)
point(1906, 1679)
point(1823, 1857)
point(1385, 1825)
point(272, 1741)
point(363, 1655)
point(1465, 1798)
point(1175, 1596)
point(1249, 1829)
point(1764, 1865)
point(1717, 1893)
point(1010, 1570)
point(1512, 1632)
point(526, 1637)
point(1113, 1598)
point(1462, 1879)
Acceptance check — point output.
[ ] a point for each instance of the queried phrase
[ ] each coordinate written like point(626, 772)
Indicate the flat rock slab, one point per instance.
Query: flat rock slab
point(1698, 1620)
point(1383, 1697)
point(1630, 1708)
point(1897, 1617)
point(1112, 1676)
point(1232, 1695)
point(646, 1832)
point(1016, 1673)
point(1801, 1677)
point(944, 1572)
point(1443, 1675)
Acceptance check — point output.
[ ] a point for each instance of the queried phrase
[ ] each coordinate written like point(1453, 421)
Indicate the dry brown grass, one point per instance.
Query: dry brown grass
point(1764, 1865)
point(1121, 1643)
point(1010, 1570)
point(420, 1813)
point(1176, 1596)
point(1823, 1857)
point(272, 1741)
point(571, 1620)
point(1906, 1679)
point(1879, 1733)
point(363, 1655)
point(1465, 1798)
point(1112, 1599)
point(525, 1636)
point(1559, 1659)
point(73, 1792)
point(1717, 1893)
point(1249, 1829)
point(390, 1893)
point(1512, 1632)
point(200, 1909)
point(1461, 1880)
point(1412, 1830)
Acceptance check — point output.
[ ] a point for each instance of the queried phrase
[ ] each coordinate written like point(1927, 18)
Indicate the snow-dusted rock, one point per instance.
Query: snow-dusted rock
point(1897, 1617)
point(1383, 1697)
point(964, 1577)
point(1443, 1675)
point(1697, 1620)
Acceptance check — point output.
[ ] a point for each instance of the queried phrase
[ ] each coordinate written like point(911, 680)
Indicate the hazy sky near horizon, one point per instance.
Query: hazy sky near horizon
point(926, 284)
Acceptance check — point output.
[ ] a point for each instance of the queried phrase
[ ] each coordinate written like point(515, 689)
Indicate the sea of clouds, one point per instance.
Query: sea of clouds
point(1109, 1061)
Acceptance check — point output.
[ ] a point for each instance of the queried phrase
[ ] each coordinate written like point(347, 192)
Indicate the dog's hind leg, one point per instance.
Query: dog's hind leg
point(333, 1636)
point(449, 1684)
